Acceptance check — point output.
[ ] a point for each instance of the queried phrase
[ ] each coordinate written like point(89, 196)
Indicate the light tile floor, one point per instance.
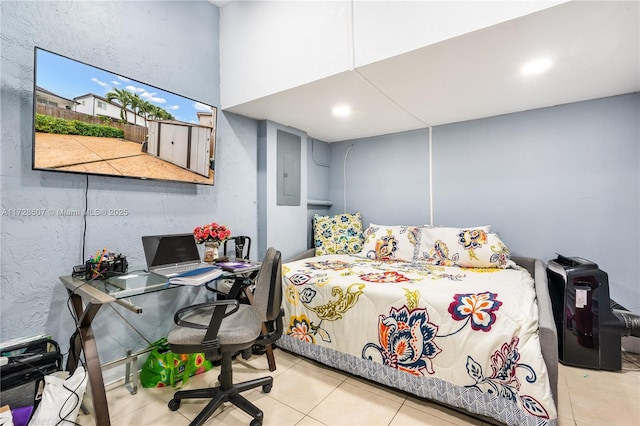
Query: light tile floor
point(308, 394)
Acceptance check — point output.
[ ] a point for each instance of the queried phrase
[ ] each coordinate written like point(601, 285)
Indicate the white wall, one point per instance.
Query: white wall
point(383, 29)
point(270, 46)
point(267, 47)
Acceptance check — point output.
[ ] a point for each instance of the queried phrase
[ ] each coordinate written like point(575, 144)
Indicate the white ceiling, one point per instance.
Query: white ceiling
point(594, 46)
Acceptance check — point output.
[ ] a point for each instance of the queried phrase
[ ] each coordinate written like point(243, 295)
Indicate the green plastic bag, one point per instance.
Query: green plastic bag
point(165, 368)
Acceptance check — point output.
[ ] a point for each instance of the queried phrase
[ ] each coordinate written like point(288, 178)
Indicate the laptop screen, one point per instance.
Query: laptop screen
point(161, 250)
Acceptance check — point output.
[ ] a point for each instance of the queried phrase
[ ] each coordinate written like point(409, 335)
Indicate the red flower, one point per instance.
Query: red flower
point(211, 232)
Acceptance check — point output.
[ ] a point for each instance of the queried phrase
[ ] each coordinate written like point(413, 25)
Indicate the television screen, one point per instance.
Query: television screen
point(89, 120)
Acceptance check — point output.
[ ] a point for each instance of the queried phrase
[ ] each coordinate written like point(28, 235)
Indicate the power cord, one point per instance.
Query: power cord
point(79, 361)
point(84, 215)
point(313, 157)
point(344, 189)
point(73, 394)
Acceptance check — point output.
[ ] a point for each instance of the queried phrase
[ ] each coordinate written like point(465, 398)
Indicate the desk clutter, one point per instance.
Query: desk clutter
point(103, 265)
point(33, 383)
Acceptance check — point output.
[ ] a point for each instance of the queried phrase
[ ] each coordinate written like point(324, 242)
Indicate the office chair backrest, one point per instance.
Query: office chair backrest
point(267, 297)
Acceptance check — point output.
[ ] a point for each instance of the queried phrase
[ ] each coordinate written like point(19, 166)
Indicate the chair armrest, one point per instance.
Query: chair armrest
point(239, 282)
point(177, 318)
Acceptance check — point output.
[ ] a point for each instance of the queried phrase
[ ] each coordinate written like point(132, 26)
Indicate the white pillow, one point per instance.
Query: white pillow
point(472, 247)
point(390, 242)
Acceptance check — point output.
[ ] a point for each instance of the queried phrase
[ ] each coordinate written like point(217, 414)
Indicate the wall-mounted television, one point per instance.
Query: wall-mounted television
point(93, 121)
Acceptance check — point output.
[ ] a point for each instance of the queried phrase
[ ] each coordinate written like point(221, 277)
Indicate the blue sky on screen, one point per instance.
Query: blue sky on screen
point(69, 79)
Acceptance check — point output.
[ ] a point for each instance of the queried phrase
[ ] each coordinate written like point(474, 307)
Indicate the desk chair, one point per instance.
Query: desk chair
point(222, 328)
point(240, 242)
point(242, 248)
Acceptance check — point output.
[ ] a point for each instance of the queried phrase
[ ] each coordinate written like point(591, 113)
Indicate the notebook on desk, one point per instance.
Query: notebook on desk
point(171, 255)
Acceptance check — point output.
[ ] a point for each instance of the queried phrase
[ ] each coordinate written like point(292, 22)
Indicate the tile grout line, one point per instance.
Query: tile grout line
point(397, 412)
point(327, 396)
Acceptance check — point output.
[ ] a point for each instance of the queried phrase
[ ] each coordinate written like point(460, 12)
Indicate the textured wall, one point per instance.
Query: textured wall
point(172, 45)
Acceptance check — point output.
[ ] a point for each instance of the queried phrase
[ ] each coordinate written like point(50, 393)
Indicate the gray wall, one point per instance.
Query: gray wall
point(387, 178)
point(280, 226)
point(554, 180)
point(318, 172)
point(172, 45)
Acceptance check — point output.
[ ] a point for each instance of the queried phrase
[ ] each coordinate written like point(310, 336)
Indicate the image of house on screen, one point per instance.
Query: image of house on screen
point(98, 106)
point(46, 97)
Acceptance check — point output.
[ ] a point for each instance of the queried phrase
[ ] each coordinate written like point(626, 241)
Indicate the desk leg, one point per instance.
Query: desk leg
point(94, 370)
point(268, 348)
point(76, 344)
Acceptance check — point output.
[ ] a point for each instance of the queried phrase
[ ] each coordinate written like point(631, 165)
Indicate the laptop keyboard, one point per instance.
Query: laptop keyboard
point(177, 269)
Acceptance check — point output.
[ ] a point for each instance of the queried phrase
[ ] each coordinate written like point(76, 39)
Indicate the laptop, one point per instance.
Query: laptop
point(170, 255)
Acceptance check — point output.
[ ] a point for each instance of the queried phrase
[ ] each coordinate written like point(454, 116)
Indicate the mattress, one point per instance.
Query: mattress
point(461, 336)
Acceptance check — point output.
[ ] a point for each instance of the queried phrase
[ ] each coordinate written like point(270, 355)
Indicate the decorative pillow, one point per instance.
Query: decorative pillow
point(471, 248)
point(382, 242)
point(339, 234)
point(433, 252)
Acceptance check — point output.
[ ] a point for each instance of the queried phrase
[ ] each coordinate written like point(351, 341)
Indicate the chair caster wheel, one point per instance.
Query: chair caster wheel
point(266, 388)
point(174, 404)
point(255, 422)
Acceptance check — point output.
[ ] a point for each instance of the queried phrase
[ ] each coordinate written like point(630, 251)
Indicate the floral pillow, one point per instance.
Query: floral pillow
point(339, 234)
point(432, 251)
point(382, 242)
point(471, 248)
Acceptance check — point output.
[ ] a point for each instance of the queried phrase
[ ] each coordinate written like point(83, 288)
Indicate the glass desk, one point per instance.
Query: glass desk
point(88, 296)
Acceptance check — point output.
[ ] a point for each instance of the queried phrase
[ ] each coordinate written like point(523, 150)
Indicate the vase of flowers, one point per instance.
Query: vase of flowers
point(211, 235)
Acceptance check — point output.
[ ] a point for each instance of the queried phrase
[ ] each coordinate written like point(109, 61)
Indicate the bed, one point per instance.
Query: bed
point(410, 307)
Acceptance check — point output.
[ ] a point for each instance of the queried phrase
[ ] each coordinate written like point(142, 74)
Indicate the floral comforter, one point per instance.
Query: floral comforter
point(467, 337)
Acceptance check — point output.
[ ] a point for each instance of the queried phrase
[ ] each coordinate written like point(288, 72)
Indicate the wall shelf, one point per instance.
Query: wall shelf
point(319, 203)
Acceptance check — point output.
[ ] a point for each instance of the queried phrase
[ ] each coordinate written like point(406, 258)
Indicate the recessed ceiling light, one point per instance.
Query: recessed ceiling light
point(536, 67)
point(341, 111)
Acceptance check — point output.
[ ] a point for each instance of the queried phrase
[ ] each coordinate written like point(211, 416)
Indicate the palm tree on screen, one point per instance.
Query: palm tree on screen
point(124, 99)
point(137, 104)
point(146, 110)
